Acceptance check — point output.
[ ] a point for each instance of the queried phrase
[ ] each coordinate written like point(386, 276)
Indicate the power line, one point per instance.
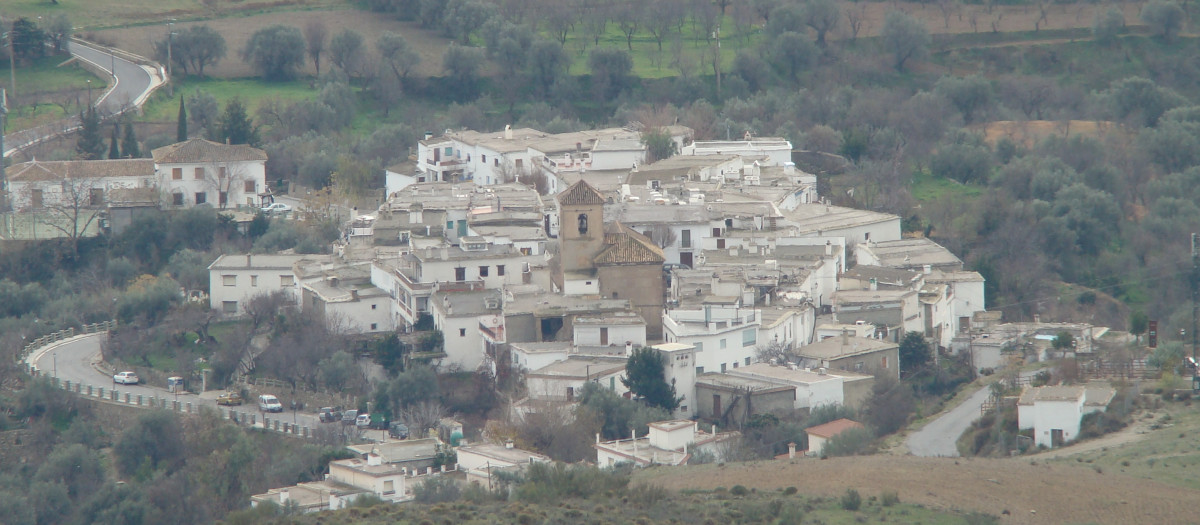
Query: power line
point(1106, 287)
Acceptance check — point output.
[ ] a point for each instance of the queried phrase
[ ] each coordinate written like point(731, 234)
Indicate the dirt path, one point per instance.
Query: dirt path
point(1032, 491)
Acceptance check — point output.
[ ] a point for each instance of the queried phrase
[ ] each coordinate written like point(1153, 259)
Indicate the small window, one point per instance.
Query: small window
point(253, 280)
point(373, 307)
point(460, 274)
point(685, 240)
point(583, 223)
point(722, 368)
point(286, 280)
point(749, 337)
point(483, 271)
point(201, 197)
point(720, 244)
point(449, 150)
point(858, 366)
point(221, 171)
point(95, 197)
point(199, 174)
point(526, 251)
point(867, 236)
point(484, 158)
point(700, 348)
point(176, 173)
point(229, 307)
point(735, 364)
point(723, 345)
point(496, 162)
point(747, 361)
point(36, 199)
point(883, 362)
point(462, 332)
point(615, 295)
point(500, 270)
point(177, 199)
point(699, 370)
point(374, 326)
point(229, 280)
point(223, 198)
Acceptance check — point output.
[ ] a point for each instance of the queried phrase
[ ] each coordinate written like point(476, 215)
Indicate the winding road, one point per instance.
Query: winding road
point(133, 83)
point(78, 360)
point(939, 438)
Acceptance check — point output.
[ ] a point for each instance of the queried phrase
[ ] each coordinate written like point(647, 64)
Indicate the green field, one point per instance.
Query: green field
point(95, 14)
point(42, 86)
point(164, 108)
point(649, 62)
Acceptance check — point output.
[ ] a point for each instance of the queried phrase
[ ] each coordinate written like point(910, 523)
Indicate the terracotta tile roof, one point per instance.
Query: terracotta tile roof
point(200, 150)
point(581, 193)
point(833, 428)
point(625, 246)
point(79, 169)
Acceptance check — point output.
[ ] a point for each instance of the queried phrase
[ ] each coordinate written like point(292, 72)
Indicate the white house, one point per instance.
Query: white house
point(820, 435)
point(461, 316)
point(668, 443)
point(723, 332)
point(1054, 412)
point(38, 184)
point(774, 151)
point(385, 480)
point(199, 171)
point(612, 329)
point(355, 306)
point(563, 380)
point(813, 388)
point(234, 279)
point(481, 459)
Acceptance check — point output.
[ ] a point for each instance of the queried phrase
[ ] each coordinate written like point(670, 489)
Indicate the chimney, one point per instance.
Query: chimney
point(374, 460)
point(284, 496)
point(428, 135)
point(874, 284)
point(597, 438)
point(508, 132)
point(714, 429)
point(789, 168)
point(508, 444)
point(333, 281)
point(828, 248)
point(248, 260)
point(928, 269)
point(792, 450)
point(354, 294)
point(227, 141)
point(628, 348)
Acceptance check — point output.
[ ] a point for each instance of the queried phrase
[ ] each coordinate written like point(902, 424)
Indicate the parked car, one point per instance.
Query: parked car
point(229, 399)
point(349, 416)
point(329, 414)
point(126, 378)
point(277, 208)
point(398, 430)
point(363, 421)
point(269, 403)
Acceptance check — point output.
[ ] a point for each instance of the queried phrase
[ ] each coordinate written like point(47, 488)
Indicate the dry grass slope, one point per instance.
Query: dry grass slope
point(1058, 493)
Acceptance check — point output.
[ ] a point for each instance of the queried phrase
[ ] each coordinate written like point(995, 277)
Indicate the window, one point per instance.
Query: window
point(460, 274)
point(389, 486)
point(858, 366)
point(616, 295)
point(286, 280)
point(867, 236)
point(229, 307)
point(722, 368)
point(747, 361)
point(749, 337)
point(199, 174)
point(735, 364)
point(223, 198)
point(685, 240)
point(221, 172)
point(570, 393)
point(496, 162)
point(462, 332)
point(484, 158)
point(720, 244)
point(526, 251)
point(519, 163)
point(253, 280)
point(583, 225)
point(374, 326)
point(251, 187)
point(700, 348)
point(95, 197)
point(883, 362)
point(723, 346)
point(612, 380)
point(500, 270)
point(483, 271)
point(373, 307)
point(201, 197)
point(229, 280)
point(36, 199)
point(699, 370)
point(176, 173)
point(177, 199)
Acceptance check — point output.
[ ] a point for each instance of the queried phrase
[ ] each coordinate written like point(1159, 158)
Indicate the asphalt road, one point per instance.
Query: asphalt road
point(79, 361)
point(133, 85)
point(939, 437)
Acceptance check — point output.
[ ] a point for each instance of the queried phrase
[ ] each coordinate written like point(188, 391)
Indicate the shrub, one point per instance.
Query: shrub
point(739, 490)
point(851, 500)
point(436, 490)
point(889, 498)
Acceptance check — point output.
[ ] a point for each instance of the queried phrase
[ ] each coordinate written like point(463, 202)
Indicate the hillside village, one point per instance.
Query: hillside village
point(757, 296)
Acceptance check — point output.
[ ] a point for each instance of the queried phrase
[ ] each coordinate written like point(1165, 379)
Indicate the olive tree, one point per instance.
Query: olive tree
point(277, 52)
point(906, 37)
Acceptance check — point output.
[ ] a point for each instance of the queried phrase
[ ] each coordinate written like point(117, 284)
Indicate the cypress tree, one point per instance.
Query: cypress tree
point(90, 144)
point(113, 151)
point(235, 125)
point(129, 143)
point(181, 133)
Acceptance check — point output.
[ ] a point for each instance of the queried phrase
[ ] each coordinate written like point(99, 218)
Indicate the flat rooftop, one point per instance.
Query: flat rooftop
point(514, 456)
point(581, 367)
point(834, 348)
point(904, 253)
point(822, 218)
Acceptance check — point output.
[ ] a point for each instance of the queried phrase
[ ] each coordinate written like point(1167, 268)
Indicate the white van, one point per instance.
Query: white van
point(269, 403)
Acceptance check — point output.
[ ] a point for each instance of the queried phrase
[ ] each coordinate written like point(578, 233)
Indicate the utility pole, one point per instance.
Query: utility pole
point(170, 69)
point(1195, 298)
point(717, 60)
point(12, 63)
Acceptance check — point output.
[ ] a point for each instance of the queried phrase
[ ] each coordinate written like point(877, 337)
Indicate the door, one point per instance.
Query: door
point(716, 405)
point(1056, 437)
point(685, 258)
point(604, 336)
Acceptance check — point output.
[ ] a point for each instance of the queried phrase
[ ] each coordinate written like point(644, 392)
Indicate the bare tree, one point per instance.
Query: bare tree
point(421, 417)
point(68, 205)
point(227, 178)
point(315, 36)
point(663, 235)
point(773, 351)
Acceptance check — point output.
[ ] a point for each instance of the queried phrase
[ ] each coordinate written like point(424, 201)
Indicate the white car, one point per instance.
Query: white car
point(269, 403)
point(277, 208)
point(126, 378)
point(362, 421)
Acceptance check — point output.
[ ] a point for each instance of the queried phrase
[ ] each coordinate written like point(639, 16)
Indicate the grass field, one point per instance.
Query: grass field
point(164, 108)
point(44, 88)
point(93, 14)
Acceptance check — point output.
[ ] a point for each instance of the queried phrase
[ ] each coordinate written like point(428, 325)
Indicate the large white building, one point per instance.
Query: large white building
point(235, 279)
point(723, 332)
point(199, 171)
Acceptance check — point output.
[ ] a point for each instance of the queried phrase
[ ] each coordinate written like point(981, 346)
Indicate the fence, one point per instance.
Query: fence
point(166, 402)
